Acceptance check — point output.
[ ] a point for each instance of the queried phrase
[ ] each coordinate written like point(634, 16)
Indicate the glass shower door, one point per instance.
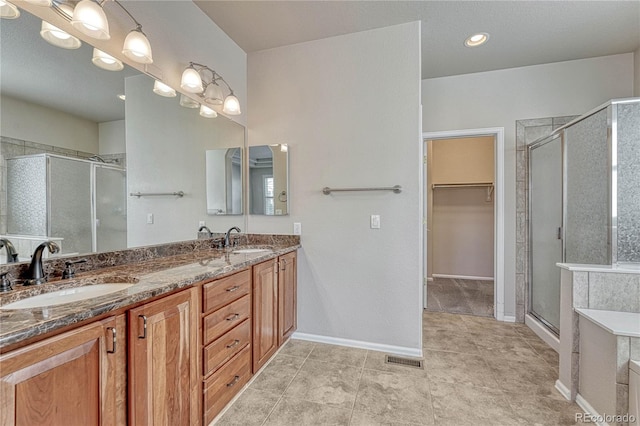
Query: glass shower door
point(545, 216)
point(110, 208)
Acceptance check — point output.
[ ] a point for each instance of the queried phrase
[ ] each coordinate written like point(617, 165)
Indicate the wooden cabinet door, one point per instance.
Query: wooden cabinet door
point(75, 378)
point(287, 296)
point(265, 312)
point(164, 385)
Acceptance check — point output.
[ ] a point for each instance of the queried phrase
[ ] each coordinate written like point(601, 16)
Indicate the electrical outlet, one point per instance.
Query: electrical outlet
point(150, 218)
point(297, 228)
point(201, 223)
point(375, 221)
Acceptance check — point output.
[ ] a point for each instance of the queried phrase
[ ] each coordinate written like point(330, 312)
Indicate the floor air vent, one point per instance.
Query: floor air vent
point(407, 362)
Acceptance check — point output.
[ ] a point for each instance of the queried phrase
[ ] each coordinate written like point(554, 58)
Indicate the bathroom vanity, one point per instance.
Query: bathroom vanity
point(173, 348)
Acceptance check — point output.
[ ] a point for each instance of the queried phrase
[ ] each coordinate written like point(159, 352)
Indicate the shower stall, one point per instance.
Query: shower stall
point(80, 204)
point(584, 200)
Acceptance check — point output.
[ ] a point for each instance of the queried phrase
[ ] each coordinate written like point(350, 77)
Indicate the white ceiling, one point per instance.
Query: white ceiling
point(521, 32)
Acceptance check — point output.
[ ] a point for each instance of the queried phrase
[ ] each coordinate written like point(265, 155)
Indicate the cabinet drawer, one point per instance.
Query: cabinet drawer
point(225, 347)
point(224, 319)
point(222, 386)
point(220, 292)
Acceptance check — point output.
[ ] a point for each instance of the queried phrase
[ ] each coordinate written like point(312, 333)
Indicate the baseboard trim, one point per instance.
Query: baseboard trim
point(508, 318)
point(542, 332)
point(398, 350)
point(463, 277)
point(588, 409)
point(564, 391)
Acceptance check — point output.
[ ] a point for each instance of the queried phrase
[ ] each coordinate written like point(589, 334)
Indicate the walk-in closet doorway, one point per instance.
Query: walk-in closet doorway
point(463, 223)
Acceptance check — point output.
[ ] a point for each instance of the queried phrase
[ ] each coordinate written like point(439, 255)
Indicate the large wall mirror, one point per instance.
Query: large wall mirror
point(224, 181)
point(269, 180)
point(63, 114)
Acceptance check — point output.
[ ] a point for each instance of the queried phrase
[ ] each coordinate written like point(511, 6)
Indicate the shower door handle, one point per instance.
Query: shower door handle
point(560, 232)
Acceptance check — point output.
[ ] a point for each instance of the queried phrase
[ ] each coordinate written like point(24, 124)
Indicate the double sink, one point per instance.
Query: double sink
point(90, 291)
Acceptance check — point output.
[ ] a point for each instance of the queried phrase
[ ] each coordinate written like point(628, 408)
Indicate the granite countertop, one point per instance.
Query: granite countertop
point(151, 277)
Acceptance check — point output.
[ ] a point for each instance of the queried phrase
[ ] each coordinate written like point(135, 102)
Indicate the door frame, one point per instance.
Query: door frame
point(499, 225)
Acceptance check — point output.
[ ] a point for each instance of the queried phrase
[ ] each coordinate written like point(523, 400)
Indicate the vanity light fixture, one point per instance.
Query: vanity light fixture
point(46, 3)
point(159, 88)
point(106, 61)
point(207, 112)
point(476, 40)
point(55, 36)
point(8, 10)
point(89, 18)
point(201, 80)
point(187, 102)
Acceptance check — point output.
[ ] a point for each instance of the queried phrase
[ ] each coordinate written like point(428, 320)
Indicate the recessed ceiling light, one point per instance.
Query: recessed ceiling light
point(121, 97)
point(476, 40)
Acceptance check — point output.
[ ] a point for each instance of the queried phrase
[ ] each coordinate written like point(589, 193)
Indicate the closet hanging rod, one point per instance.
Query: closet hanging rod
point(153, 194)
point(396, 189)
point(462, 185)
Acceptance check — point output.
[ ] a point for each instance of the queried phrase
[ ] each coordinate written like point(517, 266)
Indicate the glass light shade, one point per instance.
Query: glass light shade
point(57, 37)
point(8, 10)
point(159, 88)
point(207, 112)
point(191, 81)
point(213, 94)
point(187, 102)
point(40, 2)
point(231, 105)
point(137, 48)
point(89, 19)
point(106, 61)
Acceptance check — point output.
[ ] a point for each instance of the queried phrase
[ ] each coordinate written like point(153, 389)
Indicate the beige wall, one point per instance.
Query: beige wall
point(35, 123)
point(462, 227)
point(323, 98)
point(499, 98)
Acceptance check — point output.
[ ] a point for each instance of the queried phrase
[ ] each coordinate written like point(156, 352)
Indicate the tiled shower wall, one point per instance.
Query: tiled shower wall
point(10, 147)
point(527, 131)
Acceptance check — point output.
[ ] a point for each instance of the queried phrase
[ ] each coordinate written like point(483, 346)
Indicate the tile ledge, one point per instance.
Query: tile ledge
point(615, 269)
point(618, 323)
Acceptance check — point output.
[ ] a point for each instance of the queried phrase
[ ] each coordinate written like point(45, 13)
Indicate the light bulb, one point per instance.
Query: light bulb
point(90, 19)
point(57, 37)
point(159, 88)
point(476, 40)
point(191, 81)
point(137, 48)
point(231, 105)
point(105, 61)
point(207, 112)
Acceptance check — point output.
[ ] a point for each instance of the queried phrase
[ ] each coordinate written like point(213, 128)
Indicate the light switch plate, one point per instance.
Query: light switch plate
point(201, 223)
point(297, 228)
point(150, 218)
point(375, 221)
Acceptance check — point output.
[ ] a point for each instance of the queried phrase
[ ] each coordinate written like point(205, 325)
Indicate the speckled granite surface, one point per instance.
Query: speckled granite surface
point(182, 265)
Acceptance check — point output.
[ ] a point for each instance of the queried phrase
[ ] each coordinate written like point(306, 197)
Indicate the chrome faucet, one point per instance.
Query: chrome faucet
point(12, 254)
point(227, 243)
point(206, 229)
point(35, 274)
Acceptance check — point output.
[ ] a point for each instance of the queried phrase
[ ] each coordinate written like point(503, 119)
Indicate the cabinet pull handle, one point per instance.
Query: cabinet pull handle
point(113, 340)
point(235, 343)
point(144, 327)
point(234, 288)
point(284, 265)
point(234, 381)
point(233, 317)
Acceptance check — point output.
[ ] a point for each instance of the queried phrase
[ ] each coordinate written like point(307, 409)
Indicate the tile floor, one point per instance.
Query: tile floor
point(472, 297)
point(477, 372)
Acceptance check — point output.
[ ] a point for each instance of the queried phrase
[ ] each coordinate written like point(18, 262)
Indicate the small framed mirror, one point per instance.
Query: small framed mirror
point(269, 180)
point(224, 181)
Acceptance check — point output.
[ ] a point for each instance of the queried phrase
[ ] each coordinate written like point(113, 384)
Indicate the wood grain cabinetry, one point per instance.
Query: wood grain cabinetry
point(226, 331)
point(287, 296)
point(76, 377)
point(164, 380)
point(265, 312)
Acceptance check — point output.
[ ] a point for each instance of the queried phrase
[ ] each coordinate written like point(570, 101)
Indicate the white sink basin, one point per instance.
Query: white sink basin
point(249, 251)
point(60, 297)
